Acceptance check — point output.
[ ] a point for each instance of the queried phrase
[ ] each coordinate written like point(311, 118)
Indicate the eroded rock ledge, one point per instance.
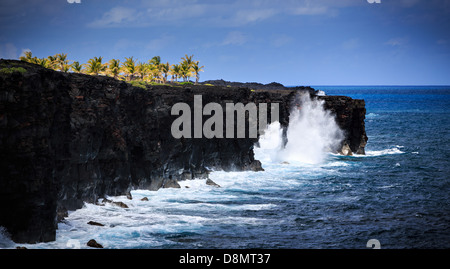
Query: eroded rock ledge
point(66, 139)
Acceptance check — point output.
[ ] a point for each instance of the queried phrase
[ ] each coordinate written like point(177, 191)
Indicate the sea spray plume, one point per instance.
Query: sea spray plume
point(270, 143)
point(312, 132)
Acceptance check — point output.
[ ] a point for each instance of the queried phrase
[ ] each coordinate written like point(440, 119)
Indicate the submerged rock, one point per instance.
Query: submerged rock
point(255, 166)
point(93, 244)
point(105, 200)
point(120, 204)
point(95, 223)
point(345, 150)
point(209, 182)
point(171, 183)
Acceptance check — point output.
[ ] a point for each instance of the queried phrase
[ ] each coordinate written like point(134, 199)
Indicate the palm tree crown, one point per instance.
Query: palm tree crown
point(114, 67)
point(197, 69)
point(61, 62)
point(77, 67)
point(95, 66)
point(129, 67)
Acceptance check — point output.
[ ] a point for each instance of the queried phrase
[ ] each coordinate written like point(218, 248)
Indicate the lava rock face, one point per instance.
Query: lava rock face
point(350, 115)
point(66, 139)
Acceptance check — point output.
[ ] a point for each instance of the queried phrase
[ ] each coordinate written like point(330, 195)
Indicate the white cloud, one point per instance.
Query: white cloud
point(313, 8)
point(159, 43)
point(396, 42)
point(117, 16)
point(221, 13)
point(235, 38)
point(280, 40)
point(350, 44)
point(249, 16)
point(175, 13)
point(8, 51)
point(309, 10)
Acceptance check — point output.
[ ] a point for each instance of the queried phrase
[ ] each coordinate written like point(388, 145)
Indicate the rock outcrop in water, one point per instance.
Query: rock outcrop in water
point(66, 139)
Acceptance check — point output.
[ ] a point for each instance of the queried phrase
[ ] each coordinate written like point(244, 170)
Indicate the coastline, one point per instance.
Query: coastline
point(74, 138)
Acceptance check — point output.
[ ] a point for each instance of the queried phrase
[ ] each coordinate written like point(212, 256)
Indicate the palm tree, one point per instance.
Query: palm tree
point(129, 67)
point(185, 71)
point(43, 62)
point(141, 70)
point(197, 69)
point(66, 68)
point(187, 60)
point(61, 62)
point(156, 61)
point(155, 68)
point(76, 67)
point(186, 66)
point(114, 67)
point(95, 66)
point(175, 71)
point(28, 56)
point(51, 61)
point(165, 69)
point(35, 60)
point(154, 72)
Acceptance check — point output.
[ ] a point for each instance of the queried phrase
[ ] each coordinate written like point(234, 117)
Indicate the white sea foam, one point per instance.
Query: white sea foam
point(335, 164)
point(321, 93)
point(394, 150)
point(371, 115)
point(167, 211)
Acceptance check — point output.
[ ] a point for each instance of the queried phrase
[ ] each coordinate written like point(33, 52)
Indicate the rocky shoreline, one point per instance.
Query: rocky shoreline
point(66, 139)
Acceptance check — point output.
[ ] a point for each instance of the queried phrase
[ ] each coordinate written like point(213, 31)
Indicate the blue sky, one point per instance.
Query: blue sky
point(294, 42)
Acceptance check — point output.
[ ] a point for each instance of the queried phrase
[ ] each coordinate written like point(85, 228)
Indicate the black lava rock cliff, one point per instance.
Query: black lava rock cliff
point(66, 139)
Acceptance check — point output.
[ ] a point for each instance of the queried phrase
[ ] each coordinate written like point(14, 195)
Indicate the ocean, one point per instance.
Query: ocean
point(307, 198)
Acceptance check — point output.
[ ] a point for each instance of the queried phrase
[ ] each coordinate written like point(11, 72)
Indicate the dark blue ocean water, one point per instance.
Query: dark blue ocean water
point(412, 210)
point(397, 194)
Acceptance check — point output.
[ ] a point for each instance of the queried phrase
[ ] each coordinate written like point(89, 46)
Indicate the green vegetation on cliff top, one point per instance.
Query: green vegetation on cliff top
point(10, 70)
